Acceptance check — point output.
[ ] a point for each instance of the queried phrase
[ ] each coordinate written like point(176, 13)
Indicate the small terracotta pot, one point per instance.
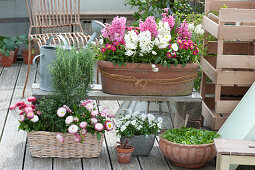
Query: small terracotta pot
point(16, 50)
point(124, 155)
point(25, 56)
point(187, 156)
point(139, 79)
point(6, 61)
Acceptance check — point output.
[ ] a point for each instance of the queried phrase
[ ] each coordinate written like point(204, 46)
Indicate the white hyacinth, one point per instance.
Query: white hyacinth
point(191, 27)
point(199, 29)
point(145, 42)
point(163, 29)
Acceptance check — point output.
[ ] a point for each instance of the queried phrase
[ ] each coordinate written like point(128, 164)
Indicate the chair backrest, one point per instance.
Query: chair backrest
point(54, 15)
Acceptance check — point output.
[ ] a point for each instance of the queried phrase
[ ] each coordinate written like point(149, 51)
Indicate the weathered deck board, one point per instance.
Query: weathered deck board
point(100, 163)
point(31, 163)
point(12, 144)
point(70, 164)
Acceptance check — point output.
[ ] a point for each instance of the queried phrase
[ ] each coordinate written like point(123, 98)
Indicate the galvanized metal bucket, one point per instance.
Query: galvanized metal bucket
point(142, 143)
point(47, 57)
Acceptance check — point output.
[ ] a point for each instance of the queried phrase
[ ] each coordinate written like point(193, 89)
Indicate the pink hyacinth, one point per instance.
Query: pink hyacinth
point(99, 127)
point(116, 31)
point(169, 19)
point(13, 106)
point(31, 99)
point(150, 25)
point(83, 124)
point(60, 138)
point(183, 31)
point(30, 115)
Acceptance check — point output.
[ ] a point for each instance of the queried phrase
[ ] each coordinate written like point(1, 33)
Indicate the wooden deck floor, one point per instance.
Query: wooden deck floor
point(14, 152)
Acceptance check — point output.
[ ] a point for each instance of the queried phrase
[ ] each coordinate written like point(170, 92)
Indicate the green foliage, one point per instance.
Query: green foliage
point(133, 124)
point(72, 74)
point(8, 44)
point(190, 136)
point(155, 8)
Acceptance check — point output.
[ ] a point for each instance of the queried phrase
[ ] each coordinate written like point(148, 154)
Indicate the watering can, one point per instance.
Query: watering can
point(47, 57)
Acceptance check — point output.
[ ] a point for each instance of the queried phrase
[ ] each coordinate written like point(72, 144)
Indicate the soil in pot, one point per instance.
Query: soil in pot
point(143, 144)
point(25, 56)
point(6, 61)
point(124, 153)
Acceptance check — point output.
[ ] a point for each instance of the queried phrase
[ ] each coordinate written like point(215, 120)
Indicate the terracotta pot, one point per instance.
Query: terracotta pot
point(138, 79)
point(6, 61)
point(25, 56)
point(16, 50)
point(187, 156)
point(124, 155)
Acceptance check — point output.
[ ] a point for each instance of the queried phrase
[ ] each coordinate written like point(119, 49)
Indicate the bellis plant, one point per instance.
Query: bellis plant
point(165, 41)
point(84, 119)
point(138, 124)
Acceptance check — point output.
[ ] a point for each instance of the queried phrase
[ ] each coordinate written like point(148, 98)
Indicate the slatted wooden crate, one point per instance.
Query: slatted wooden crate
point(232, 70)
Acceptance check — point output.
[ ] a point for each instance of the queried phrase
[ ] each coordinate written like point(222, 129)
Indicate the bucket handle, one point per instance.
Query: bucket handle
point(35, 58)
point(61, 37)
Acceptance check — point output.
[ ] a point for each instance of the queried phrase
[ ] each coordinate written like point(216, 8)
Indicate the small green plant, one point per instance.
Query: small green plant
point(72, 74)
point(190, 136)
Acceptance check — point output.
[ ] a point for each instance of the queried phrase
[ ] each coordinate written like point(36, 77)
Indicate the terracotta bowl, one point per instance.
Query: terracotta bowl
point(187, 156)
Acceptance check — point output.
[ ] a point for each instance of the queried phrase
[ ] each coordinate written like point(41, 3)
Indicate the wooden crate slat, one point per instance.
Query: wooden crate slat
point(215, 5)
point(210, 26)
point(234, 48)
point(234, 33)
point(237, 15)
point(214, 121)
point(236, 61)
point(226, 90)
point(225, 106)
point(235, 77)
point(209, 70)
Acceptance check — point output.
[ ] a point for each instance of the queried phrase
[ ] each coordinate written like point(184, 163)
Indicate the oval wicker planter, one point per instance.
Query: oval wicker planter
point(187, 156)
point(138, 79)
point(45, 144)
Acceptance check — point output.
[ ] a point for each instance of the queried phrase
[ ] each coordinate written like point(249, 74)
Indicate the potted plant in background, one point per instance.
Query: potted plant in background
point(188, 147)
point(124, 152)
point(139, 130)
point(156, 58)
point(7, 52)
point(25, 53)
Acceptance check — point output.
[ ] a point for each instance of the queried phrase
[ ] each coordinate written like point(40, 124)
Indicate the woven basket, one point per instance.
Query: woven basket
point(45, 144)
